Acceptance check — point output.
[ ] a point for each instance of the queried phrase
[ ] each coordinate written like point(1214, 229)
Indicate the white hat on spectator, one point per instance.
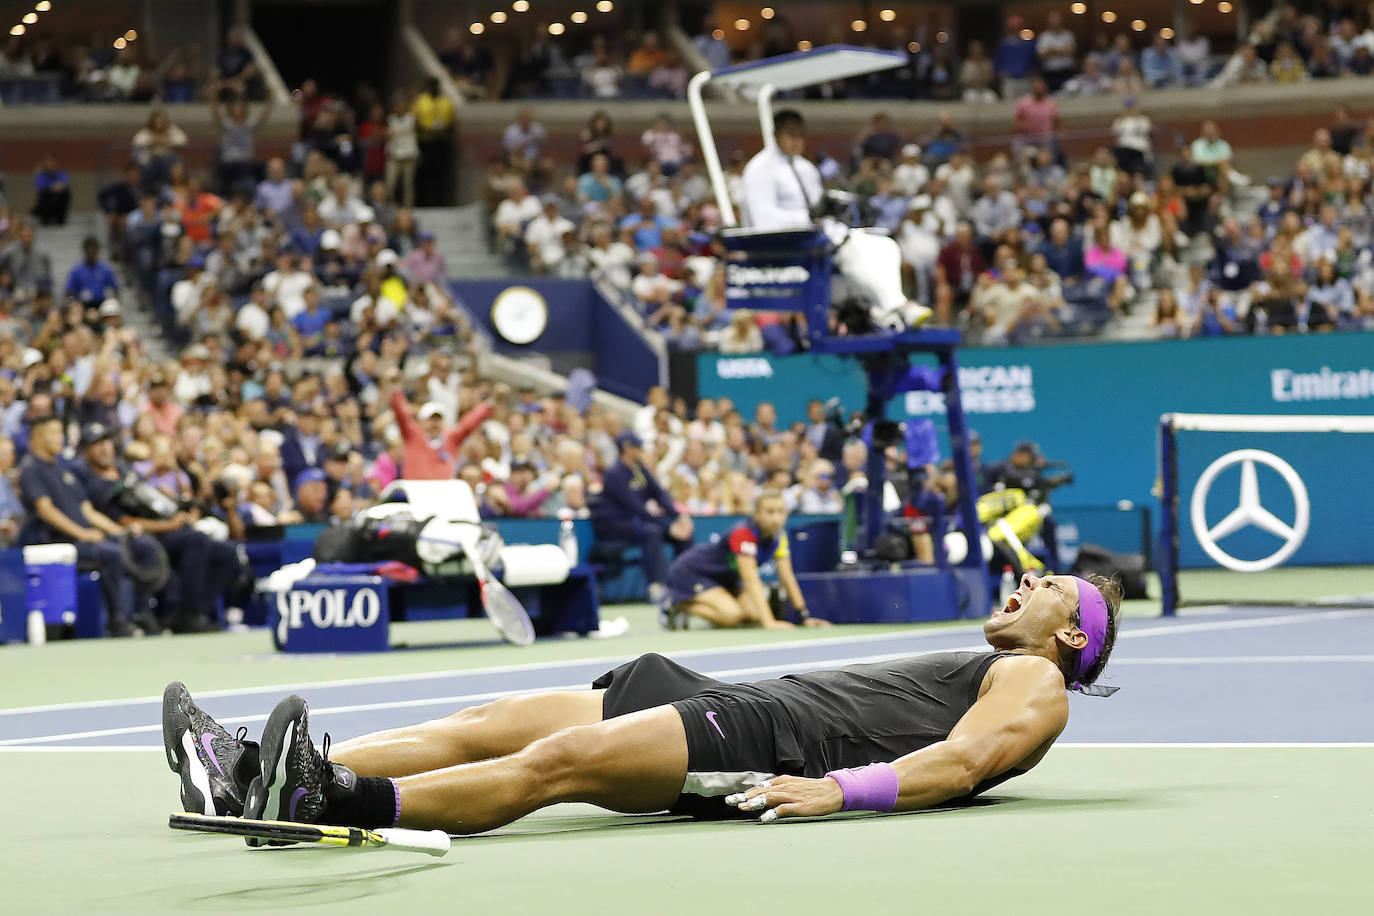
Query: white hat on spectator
point(110, 307)
point(31, 357)
point(911, 149)
point(330, 240)
point(253, 321)
point(196, 351)
point(240, 474)
point(271, 437)
point(387, 256)
point(366, 214)
point(1139, 199)
point(431, 409)
point(920, 202)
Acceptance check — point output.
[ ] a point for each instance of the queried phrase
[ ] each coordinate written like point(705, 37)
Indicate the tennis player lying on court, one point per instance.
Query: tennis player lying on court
point(654, 736)
point(720, 582)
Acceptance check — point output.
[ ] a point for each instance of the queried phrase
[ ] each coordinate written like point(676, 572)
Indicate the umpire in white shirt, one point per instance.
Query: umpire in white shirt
point(781, 187)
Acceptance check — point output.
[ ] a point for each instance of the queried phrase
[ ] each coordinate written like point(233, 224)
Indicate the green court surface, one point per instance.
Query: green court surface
point(1120, 830)
point(1269, 825)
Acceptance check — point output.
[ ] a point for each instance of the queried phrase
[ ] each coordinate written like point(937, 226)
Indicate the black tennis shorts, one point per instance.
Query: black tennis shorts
point(736, 735)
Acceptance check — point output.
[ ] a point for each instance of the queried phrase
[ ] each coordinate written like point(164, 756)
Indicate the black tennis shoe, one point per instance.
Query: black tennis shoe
point(215, 766)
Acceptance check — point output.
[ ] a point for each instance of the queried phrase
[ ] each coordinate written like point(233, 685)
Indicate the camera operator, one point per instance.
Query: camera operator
point(203, 567)
point(60, 512)
point(1027, 470)
point(782, 190)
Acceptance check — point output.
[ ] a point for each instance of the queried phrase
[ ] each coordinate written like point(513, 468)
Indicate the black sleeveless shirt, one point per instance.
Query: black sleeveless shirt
point(875, 712)
point(827, 720)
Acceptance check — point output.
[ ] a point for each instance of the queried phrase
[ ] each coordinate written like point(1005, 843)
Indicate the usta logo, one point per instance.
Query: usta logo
point(327, 608)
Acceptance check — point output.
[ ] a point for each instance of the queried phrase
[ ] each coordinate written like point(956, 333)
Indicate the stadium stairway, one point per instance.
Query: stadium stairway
point(460, 233)
point(63, 245)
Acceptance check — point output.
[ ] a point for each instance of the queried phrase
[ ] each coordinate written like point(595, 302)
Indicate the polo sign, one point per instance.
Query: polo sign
point(333, 614)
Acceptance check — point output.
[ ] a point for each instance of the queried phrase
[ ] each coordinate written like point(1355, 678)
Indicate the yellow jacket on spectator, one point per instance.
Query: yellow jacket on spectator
point(394, 288)
point(433, 113)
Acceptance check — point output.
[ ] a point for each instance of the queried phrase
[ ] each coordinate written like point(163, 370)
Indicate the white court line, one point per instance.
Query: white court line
point(790, 667)
point(609, 660)
point(1241, 660)
point(1210, 745)
point(786, 667)
point(1068, 745)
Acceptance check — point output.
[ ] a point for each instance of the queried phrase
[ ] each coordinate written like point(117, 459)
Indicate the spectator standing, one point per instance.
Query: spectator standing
point(666, 145)
point(975, 75)
point(235, 166)
point(467, 62)
point(116, 201)
point(602, 76)
point(1287, 66)
point(524, 137)
point(1244, 68)
point(402, 151)
point(1036, 116)
point(92, 280)
point(712, 45)
point(1014, 60)
point(29, 267)
point(1133, 150)
point(1213, 153)
point(156, 146)
point(237, 71)
point(1160, 66)
point(53, 190)
point(434, 128)
point(1056, 49)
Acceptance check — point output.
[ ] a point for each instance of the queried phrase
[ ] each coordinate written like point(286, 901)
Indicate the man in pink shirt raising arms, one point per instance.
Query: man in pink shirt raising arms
point(431, 452)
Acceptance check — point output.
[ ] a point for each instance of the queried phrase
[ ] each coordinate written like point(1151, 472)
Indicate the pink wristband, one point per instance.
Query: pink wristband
point(870, 788)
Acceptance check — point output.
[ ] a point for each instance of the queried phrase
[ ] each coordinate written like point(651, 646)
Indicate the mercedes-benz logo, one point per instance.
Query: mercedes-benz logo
point(1250, 511)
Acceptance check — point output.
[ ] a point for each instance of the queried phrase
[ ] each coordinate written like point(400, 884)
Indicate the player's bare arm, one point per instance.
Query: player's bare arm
point(1022, 710)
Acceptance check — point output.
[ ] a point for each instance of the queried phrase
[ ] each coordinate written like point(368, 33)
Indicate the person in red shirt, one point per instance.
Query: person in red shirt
point(198, 210)
point(431, 452)
point(956, 272)
point(1037, 115)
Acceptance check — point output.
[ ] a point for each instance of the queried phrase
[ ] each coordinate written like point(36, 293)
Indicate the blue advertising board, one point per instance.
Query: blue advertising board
point(332, 613)
point(1097, 406)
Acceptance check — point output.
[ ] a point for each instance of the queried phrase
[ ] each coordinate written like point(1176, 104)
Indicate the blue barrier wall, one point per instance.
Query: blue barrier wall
point(1097, 406)
point(583, 330)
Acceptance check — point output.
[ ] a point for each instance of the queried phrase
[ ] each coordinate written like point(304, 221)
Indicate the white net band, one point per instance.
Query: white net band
point(1268, 423)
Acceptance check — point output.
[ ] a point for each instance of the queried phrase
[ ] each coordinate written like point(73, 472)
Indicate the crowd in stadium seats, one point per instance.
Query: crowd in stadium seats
point(631, 66)
point(38, 68)
point(1023, 246)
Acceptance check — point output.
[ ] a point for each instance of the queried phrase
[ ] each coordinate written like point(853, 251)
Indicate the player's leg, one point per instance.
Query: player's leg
point(717, 606)
point(636, 763)
point(477, 733)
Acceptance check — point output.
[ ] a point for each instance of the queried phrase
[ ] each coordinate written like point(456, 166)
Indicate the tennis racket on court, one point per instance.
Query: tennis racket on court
point(502, 608)
point(430, 842)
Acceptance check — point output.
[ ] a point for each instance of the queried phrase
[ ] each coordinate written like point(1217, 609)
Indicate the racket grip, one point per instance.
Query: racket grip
point(430, 842)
